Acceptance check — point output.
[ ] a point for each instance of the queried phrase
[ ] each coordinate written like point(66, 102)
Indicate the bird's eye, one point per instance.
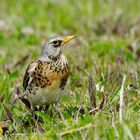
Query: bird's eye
point(55, 43)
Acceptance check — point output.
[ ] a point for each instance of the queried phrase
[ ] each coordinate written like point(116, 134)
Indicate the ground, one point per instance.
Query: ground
point(106, 50)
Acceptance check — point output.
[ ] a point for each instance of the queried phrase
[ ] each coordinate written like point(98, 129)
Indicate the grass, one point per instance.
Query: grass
point(107, 48)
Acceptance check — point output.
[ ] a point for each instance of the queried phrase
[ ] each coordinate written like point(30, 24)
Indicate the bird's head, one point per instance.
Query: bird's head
point(53, 49)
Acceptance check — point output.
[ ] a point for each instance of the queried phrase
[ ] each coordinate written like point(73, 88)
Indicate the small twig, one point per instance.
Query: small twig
point(40, 128)
point(8, 113)
point(103, 101)
point(18, 96)
point(114, 126)
point(92, 92)
point(130, 134)
point(60, 113)
point(94, 109)
point(77, 116)
point(26, 103)
point(121, 98)
point(90, 125)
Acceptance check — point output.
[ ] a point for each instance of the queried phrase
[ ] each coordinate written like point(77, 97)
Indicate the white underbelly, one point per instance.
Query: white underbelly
point(45, 97)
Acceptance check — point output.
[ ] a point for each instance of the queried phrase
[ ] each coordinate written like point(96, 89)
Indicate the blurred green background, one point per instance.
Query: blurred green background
point(107, 47)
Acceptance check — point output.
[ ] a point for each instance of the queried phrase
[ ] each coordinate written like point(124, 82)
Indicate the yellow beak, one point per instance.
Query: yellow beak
point(67, 39)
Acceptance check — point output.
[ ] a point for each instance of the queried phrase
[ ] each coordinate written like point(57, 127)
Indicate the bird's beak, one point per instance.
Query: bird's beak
point(67, 39)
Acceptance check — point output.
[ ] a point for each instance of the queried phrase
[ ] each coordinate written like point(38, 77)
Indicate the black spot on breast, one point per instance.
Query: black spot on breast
point(62, 71)
point(58, 71)
point(38, 78)
point(67, 66)
point(43, 86)
point(48, 62)
point(63, 82)
point(30, 90)
point(37, 84)
point(46, 78)
point(49, 83)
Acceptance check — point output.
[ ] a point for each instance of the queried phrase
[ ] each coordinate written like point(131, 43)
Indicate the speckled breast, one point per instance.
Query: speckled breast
point(49, 80)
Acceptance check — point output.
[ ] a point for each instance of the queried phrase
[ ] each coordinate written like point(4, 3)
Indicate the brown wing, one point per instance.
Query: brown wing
point(28, 75)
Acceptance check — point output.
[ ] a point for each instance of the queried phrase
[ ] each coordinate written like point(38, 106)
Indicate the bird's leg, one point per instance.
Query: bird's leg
point(36, 117)
point(63, 106)
point(46, 108)
point(57, 108)
point(40, 108)
point(20, 96)
point(33, 109)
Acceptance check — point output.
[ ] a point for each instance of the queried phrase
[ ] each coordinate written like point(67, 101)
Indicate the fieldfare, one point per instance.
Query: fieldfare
point(46, 77)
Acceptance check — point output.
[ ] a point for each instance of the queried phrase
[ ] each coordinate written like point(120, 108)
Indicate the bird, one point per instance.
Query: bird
point(45, 78)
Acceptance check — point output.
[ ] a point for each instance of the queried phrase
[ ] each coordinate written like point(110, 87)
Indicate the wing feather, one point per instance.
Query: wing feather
point(28, 75)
